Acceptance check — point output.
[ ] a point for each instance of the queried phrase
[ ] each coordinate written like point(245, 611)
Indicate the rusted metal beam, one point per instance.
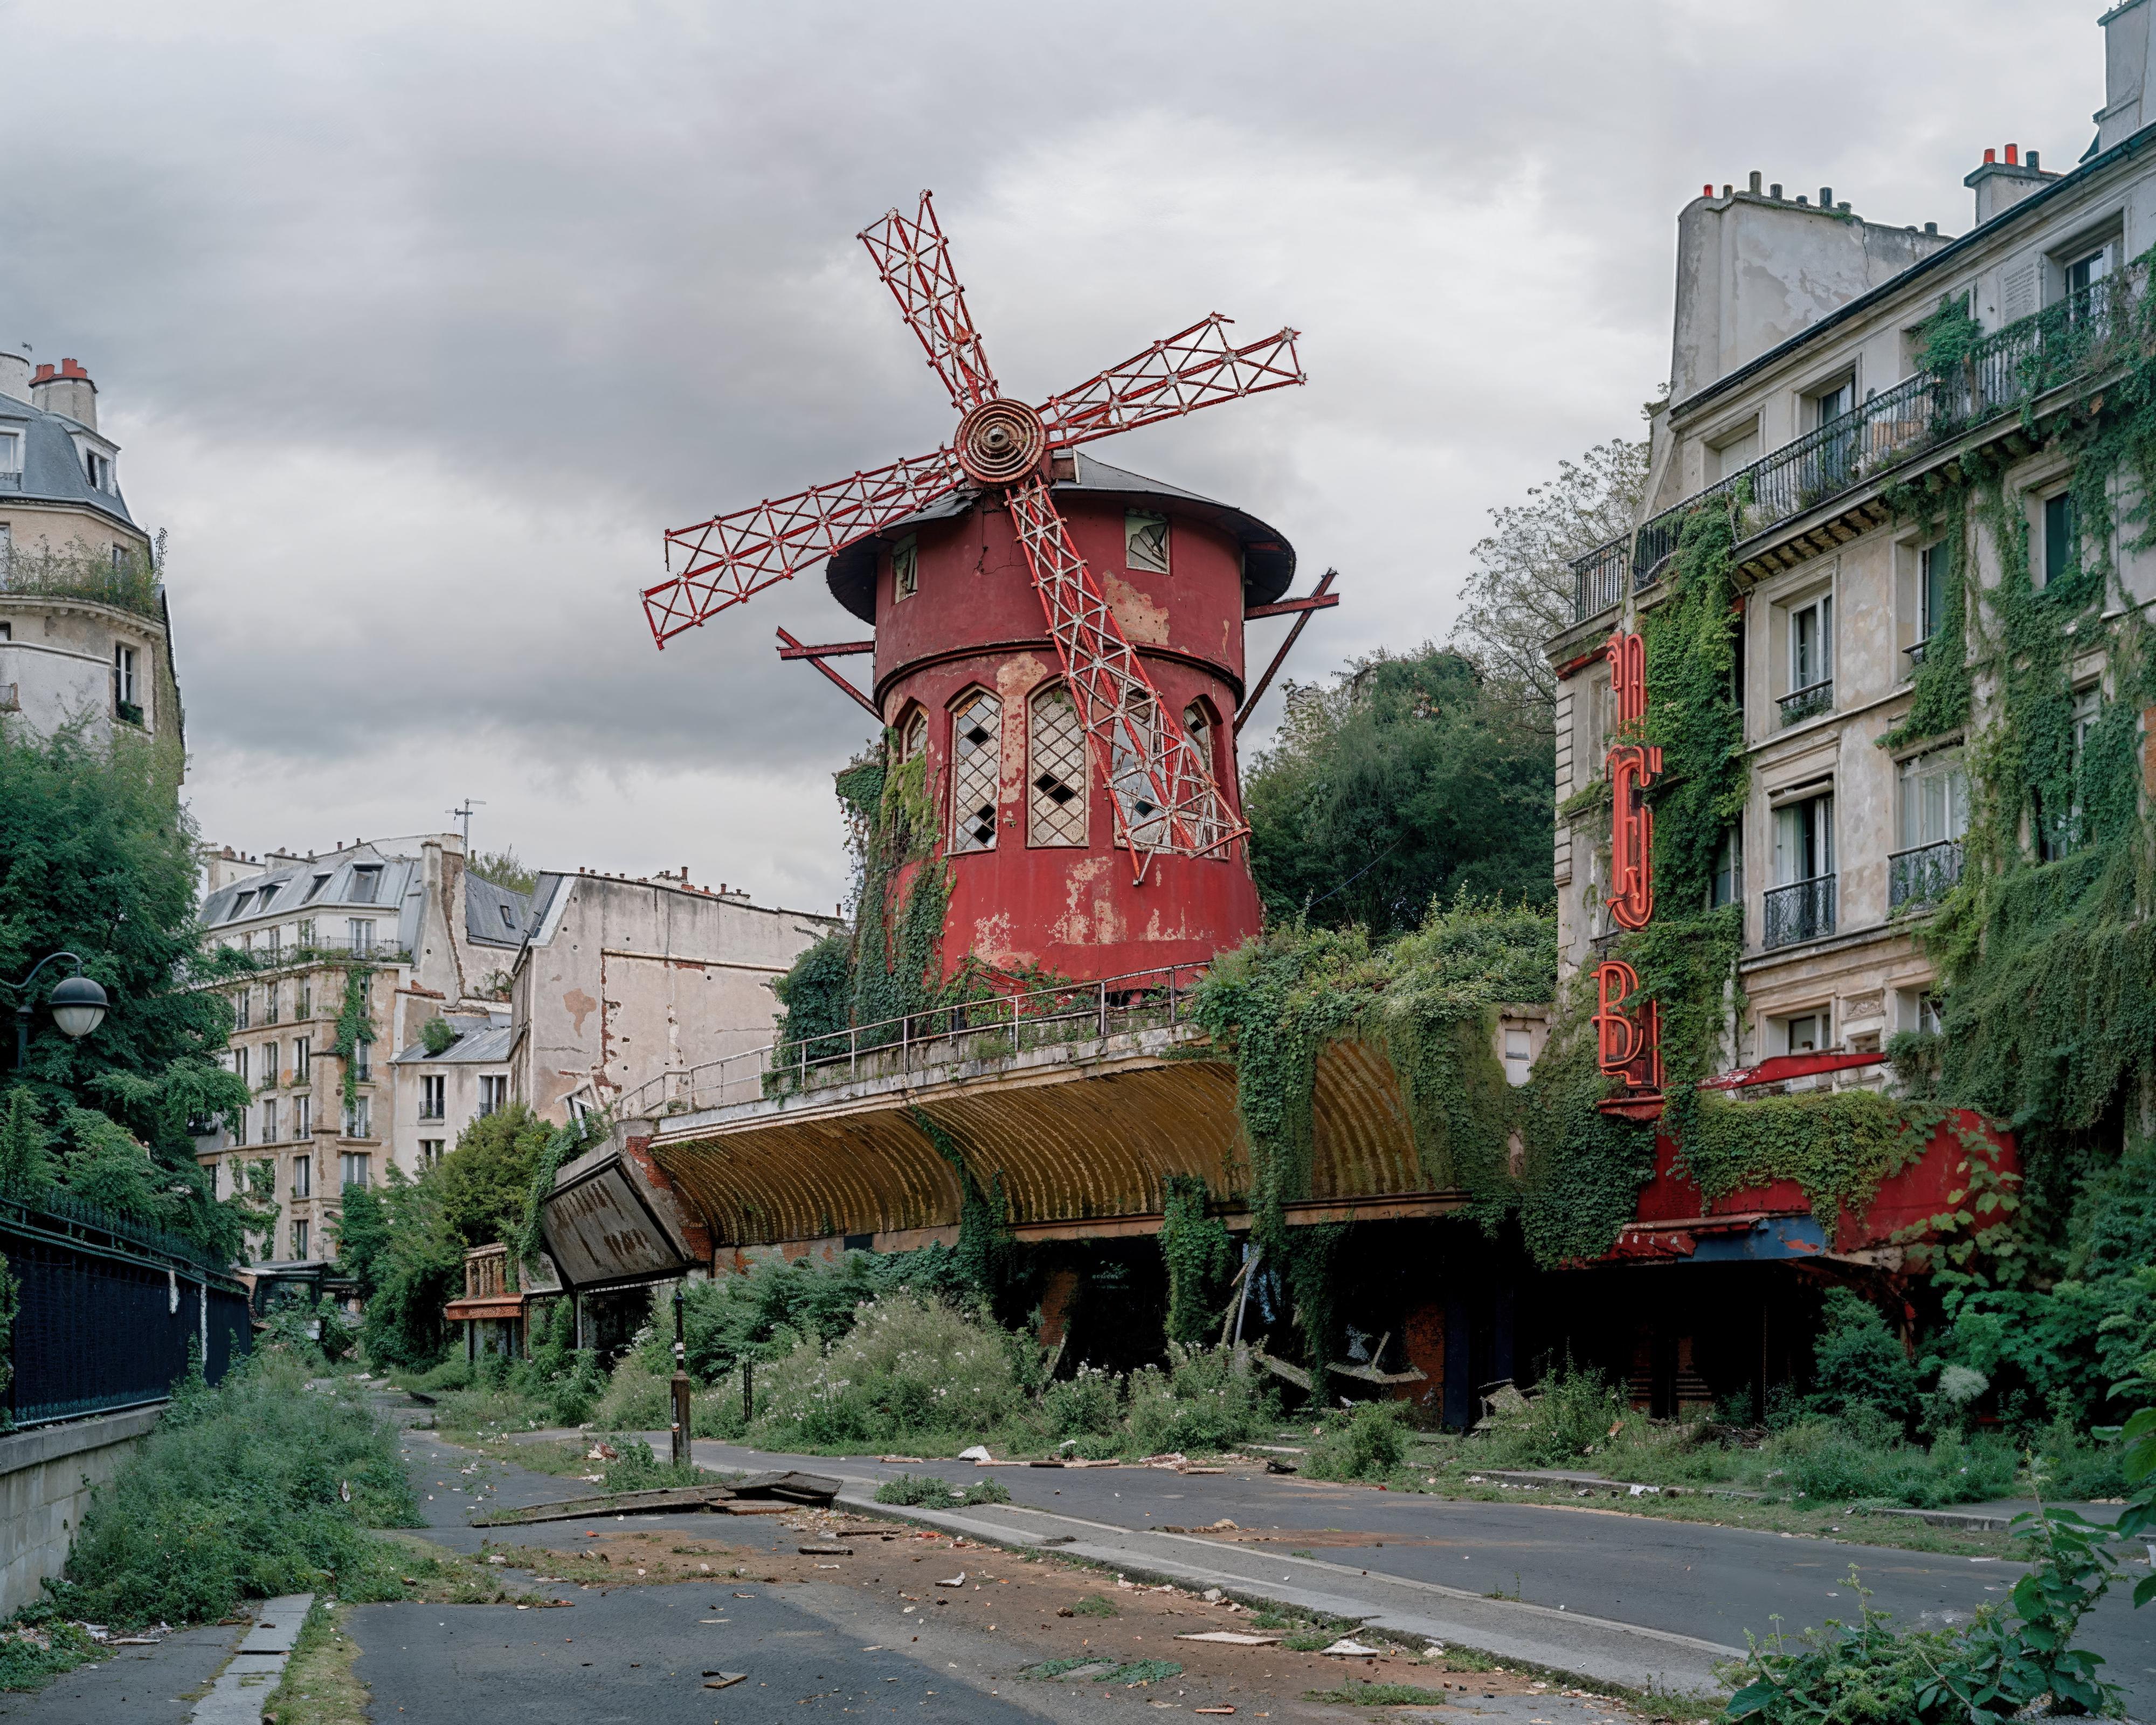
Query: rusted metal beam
point(812, 654)
point(1319, 601)
point(1287, 646)
point(830, 650)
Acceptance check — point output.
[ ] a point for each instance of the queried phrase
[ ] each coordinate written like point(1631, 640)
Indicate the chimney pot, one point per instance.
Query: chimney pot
point(44, 374)
point(69, 368)
point(1990, 156)
point(1775, 191)
point(1755, 182)
point(2032, 167)
point(1803, 200)
point(2013, 154)
point(1727, 190)
point(1930, 227)
point(1706, 191)
point(1826, 197)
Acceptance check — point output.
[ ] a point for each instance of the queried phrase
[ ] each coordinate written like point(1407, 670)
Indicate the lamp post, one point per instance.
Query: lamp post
point(79, 1005)
point(680, 1385)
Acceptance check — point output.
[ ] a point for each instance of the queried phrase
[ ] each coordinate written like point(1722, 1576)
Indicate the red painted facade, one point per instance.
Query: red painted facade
point(974, 623)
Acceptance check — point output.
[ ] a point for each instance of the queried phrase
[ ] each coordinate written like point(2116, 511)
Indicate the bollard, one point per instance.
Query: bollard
point(681, 1386)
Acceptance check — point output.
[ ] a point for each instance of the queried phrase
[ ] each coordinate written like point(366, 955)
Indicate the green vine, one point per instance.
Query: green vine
point(1197, 1250)
point(353, 1027)
point(985, 1254)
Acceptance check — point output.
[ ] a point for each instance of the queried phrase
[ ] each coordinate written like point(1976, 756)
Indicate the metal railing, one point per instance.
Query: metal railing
point(1915, 651)
point(1923, 874)
point(1801, 704)
point(1801, 911)
point(996, 1026)
point(107, 1305)
point(1999, 374)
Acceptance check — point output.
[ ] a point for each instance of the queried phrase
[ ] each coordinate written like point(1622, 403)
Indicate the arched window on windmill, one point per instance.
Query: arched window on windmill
point(1198, 719)
point(975, 751)
point(1055, 770)
point(1136, 742)
point(912, 734)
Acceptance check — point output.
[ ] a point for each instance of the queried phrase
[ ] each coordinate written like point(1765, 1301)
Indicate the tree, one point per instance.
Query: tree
point(1407, 780)
point(96, 858)
point(483, 1184)
point(1520, 593)
point(506, 869)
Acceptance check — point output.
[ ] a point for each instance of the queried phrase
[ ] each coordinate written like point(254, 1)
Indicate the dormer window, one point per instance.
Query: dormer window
point(240, 906)
point(315, 891)
point(508, 918)
point(97, 468)
point(365, 883)
point(11, 454)
point(269, 896)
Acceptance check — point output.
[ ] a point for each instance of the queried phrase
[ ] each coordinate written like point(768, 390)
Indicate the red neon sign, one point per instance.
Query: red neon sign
point(1628, 1044)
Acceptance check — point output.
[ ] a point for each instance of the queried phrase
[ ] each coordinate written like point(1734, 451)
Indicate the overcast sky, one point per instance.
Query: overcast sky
point(418, 324)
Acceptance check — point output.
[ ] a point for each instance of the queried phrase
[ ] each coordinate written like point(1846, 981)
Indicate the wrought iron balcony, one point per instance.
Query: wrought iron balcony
point(1801, 911)
point(1801, 704)
point(1923, 875)
point(2008, 368)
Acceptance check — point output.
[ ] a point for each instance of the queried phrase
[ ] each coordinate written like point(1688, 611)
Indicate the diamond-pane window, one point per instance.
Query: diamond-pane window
point(975, 751)
point(1144, 820)
point(1198, 721)
point(906, 568)
point(1145, 542)
point(1055, 770)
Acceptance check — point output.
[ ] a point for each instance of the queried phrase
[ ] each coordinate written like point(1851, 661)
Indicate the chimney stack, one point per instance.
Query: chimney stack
point(14, 376)
point(2126, 31)
point(68, 391)
point(2000, 185)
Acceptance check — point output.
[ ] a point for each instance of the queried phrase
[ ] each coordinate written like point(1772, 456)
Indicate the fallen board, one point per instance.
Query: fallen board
point(613, 1503)
point(794, 1487)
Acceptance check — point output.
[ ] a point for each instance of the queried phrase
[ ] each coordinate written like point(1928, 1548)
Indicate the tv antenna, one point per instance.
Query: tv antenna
point(464, 815)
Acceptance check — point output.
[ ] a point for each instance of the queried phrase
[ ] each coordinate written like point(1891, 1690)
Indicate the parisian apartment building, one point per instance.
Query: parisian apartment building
point(371, 1030)
point(1797, 396)
point(86, 640)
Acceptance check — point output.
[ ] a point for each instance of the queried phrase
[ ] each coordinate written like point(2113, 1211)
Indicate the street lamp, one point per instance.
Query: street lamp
point(78, 1003)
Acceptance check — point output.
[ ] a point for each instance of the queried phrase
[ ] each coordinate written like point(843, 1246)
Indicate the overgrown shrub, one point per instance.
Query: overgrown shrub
point(1087, 1404)
point(1367, 1444)
point(241, 1492)
point(635, 1399)
point(915, 1490)
point(1208, 1399)
point(1859, 1362)
point(910, 1369)
point(637, 1468)
point(1573, 1413)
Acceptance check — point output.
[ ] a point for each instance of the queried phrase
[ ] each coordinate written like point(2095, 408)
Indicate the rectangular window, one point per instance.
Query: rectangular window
point(303, 1000)
point(365, 883)
point(243, 1004)
point(431, 1100)
point(1145, 542)
point(493, 1094)
point(2086, 271)
point(299, 1238)
point(239, 1125)
point(1830, 404)
point(11, 454)
point(123, 674)
point(1729, 868)
point(1933, 564)
point(354, 1165)
point(303, 1049)
point(359, 935)
point(270, 992)
point(431, 1152)
point(906, 568)
point(270, 1120)
point(1934, 792)
point(303, 1117)
point(1803, 840)
point(303, 1177)
point(268, 1079)
point(314, 891)
point(359, 1119)
point(1811, 645)
point(1805, 1034)
point(2062, 548)
point(240, 1061)
point(303, 935)
point(362, 1059)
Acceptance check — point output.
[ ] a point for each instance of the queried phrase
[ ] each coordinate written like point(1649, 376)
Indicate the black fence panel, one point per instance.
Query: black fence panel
point(104, 1320)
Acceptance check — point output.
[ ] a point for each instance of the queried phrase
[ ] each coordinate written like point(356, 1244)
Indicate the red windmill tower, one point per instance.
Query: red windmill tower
point(1062, 639)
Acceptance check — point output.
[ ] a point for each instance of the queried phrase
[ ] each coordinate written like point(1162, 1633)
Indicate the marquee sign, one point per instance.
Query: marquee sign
point(1628, 1044)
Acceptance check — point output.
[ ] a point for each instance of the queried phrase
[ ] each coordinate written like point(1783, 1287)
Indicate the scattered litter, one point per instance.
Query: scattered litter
point(826, 1551)
point(958, 1580)
point(1347, 1647)
point(901, 1460)
point(1224, 1523)
point(602, 1452)
point(1212, 1710)
point(978, 1452)
point(724, 1679)
point(1233, 1638)
point(1172, 1458)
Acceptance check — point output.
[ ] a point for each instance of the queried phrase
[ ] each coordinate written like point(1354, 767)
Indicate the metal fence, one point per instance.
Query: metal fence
point(106, 1307)
point(1924, 875)
point(996, 1026)
point(1999, 374)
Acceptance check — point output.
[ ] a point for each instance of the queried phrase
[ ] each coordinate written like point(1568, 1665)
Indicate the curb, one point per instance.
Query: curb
point(257, 1666)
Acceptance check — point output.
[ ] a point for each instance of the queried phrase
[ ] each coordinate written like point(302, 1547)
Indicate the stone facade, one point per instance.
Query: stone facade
point(1843, 841)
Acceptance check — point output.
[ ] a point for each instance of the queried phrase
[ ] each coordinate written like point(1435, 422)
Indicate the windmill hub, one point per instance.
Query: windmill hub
point(1001, 441)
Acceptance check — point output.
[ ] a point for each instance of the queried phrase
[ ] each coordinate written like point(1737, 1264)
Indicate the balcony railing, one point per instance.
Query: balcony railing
point(1916, 653)
point(997, 1027)
point(1801, 911)
point(2006, 369)
point(1924, 875)
point(1801, 704)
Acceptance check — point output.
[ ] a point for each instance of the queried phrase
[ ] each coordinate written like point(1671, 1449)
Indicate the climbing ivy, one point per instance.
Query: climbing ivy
point(986, 1255)
point(353, 1027)
point(1197, 1250)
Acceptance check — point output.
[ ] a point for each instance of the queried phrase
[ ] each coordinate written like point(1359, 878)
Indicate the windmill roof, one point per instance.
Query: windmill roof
point(1268, 559)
